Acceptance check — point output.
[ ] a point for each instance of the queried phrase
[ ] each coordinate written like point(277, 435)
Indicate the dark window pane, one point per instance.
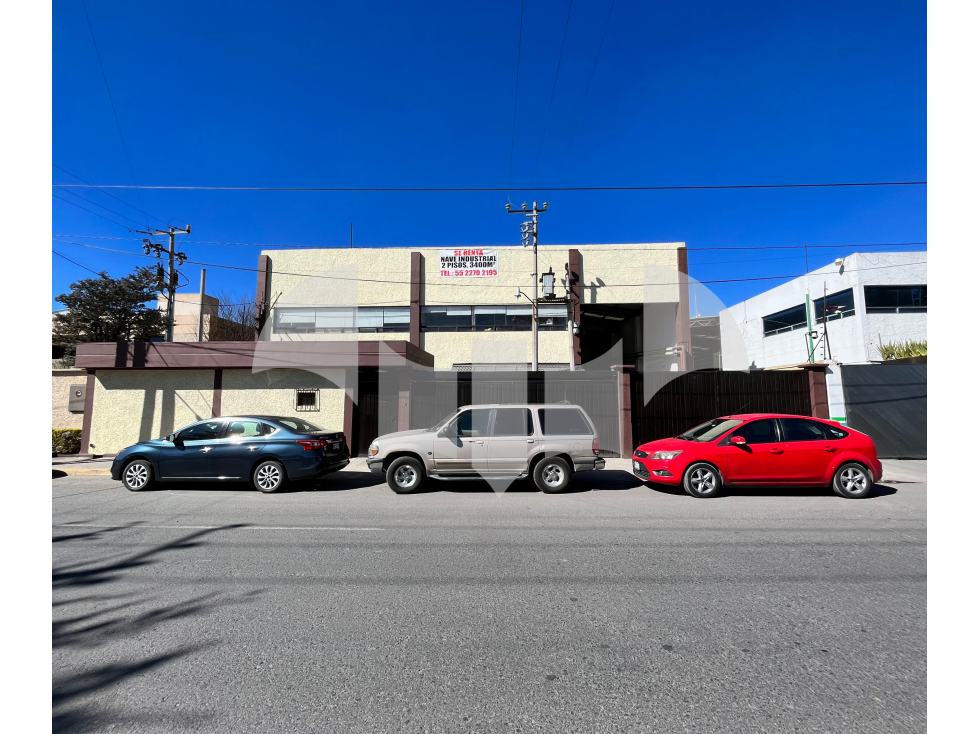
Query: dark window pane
point(839, 305)
point(835, 433)
point(471, 423)
point(891, 298)
point(440, 317)
point(202, 431)
point(513, 422)
point(563, 422)
point(791, 318)
point(799, 429)
point(763, 431)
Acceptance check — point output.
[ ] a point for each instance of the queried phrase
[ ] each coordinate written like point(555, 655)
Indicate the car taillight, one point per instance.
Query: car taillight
point(594, 446)
point(310, 444)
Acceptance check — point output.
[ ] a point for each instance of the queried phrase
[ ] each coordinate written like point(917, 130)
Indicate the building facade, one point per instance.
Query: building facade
point(334, 324)
point(870, 299)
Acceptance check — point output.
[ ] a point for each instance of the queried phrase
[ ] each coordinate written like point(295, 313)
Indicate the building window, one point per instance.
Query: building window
point(550, 317)
point(837, 305)
point(307, 400)
point(365, 320)
point(896, 298)
point(787, 320)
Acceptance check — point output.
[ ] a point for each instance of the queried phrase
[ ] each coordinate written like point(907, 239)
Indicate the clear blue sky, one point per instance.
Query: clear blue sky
point(422, 94)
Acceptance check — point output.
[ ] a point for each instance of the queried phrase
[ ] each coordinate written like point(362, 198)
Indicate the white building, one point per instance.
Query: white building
point(872, 298)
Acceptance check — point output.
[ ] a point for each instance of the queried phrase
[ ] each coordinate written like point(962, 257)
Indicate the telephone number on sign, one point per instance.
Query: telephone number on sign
point(471, 273)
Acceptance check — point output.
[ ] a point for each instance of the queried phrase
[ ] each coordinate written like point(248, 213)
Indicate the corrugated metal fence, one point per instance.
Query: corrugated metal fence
point(889, 402)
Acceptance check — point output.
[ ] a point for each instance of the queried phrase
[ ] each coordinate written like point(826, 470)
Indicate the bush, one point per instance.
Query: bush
point(903, 350)
point(66, 440)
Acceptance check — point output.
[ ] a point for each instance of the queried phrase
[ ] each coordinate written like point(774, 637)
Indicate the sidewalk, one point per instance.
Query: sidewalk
point(62, 465)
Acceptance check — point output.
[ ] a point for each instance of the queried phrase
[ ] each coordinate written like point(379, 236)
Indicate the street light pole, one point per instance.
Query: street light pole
point(528, 235)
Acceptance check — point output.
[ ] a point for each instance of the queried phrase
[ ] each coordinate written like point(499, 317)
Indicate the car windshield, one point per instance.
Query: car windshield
point(710, 430)
point(300, 425)
point(442, 423)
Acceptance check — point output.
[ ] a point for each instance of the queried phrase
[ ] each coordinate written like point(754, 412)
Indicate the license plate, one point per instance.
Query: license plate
point(335, 446)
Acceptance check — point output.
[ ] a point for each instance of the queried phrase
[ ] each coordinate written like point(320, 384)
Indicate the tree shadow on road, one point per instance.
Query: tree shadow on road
point(99, 629)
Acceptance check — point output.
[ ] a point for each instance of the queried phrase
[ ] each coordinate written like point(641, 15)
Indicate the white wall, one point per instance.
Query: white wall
point(850, 338)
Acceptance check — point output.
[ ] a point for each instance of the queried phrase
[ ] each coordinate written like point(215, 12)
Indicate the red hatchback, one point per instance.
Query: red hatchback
point(759, 449)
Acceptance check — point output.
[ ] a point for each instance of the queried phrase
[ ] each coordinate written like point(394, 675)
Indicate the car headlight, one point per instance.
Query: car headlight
point(372, 451)
point(665, 455)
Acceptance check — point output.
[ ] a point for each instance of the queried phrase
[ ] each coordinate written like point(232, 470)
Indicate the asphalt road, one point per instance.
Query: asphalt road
point(616, 607)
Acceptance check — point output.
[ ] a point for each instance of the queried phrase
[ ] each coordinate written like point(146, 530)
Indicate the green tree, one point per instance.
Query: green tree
point(108, 309)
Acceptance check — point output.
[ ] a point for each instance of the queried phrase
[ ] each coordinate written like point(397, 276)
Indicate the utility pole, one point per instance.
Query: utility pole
point(826, 347)
point(351, 235)
point(171, 283)
point(809, 329)
point(528, 235)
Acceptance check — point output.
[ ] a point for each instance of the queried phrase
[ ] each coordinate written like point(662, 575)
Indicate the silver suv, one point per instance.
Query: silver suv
point(492, 442)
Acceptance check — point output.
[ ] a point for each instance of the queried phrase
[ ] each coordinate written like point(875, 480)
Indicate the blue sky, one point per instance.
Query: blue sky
point(422, 94)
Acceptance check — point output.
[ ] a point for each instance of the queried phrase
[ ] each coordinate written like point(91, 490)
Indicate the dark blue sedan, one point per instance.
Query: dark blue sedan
point(266, 450)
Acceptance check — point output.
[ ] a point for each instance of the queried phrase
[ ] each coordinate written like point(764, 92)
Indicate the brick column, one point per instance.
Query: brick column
point(216, 394)
point(685, 356)
point(624, 394)
point(85, 450)
point(818, 395)
point(415, 304)
point(574, 274)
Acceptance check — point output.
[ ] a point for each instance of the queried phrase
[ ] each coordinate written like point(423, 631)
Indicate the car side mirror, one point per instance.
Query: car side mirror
point(738, 440)
point(175, 439)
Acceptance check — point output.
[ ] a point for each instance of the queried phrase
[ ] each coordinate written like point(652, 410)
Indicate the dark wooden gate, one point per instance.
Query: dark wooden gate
point(684, 401)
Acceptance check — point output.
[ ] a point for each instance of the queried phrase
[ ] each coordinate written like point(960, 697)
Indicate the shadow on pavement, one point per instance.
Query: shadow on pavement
point(877, 491)
point(97, 628)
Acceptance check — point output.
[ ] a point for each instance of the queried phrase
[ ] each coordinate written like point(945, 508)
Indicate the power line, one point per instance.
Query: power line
point(111, 102)
point(553, 89)
point(583, 99)
point(466, 285)
point(77, 263)
point(95, 203)
point(125, 226)
point(513, 128)
point(105, 192)
point(272, 246)
point(466, 189)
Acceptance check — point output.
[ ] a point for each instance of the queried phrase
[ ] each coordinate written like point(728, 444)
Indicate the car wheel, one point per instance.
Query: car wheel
point(552, 475)
point(138, 475)
point(405, 475)
point(702, 480)
point(852, 481)
point(269, 476)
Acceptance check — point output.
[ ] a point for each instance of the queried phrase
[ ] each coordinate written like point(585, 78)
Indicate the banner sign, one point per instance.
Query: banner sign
point(468, 263)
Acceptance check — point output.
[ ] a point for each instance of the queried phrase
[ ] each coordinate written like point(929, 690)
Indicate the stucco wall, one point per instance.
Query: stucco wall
point(61, 382)
point(273, 392)
point(611, 273)
point(851, 339)
point(132, 406)
point(457, 347)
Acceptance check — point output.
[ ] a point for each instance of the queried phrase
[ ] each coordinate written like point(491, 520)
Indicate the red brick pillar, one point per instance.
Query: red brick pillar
point(624, 394)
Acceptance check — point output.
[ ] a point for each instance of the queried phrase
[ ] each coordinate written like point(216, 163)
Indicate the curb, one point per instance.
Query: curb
point(61, 471)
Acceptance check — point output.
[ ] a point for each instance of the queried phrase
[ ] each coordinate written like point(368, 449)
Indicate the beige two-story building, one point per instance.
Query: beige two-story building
point(330, 321)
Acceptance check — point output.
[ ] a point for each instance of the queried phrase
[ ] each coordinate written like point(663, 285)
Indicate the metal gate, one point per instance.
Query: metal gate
point(889, 402)
point(682, 402)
